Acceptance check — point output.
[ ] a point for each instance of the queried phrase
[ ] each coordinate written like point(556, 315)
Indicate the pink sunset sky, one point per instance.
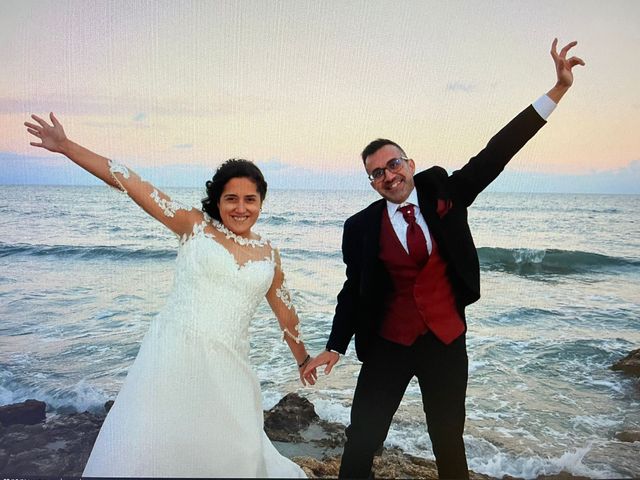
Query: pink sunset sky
point(301, 86)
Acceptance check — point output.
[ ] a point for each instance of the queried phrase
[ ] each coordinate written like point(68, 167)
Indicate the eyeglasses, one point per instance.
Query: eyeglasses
point(393, 165)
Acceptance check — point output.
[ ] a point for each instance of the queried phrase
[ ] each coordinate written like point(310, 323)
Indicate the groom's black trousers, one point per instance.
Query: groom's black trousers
point(442, 374)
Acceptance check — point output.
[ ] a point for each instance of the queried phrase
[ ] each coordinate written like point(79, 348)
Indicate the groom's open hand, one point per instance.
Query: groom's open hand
point(325, 358)
point(564, 65)
point(564, 69)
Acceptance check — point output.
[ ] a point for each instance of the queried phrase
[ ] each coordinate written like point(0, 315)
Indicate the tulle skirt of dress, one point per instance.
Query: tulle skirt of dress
point(187, 409)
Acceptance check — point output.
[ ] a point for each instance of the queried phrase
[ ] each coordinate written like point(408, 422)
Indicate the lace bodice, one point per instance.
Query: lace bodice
point(216, 267)
point(214, 297)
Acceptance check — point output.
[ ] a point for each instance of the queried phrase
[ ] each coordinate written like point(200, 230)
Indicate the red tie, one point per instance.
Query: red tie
point(416, 242)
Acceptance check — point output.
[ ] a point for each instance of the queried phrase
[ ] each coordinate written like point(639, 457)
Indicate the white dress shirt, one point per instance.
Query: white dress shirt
point(544, 106)
point(400, 225)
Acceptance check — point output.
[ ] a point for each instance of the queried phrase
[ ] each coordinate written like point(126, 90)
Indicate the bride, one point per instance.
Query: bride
point(191, 404)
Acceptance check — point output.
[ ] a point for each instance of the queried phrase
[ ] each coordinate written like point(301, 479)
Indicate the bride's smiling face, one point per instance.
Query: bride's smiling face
point(239, 205)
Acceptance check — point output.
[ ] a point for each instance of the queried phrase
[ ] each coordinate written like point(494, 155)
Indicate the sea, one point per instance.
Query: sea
point(83, 272)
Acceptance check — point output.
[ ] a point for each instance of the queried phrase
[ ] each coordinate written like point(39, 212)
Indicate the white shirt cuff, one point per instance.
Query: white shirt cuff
point(544, 106)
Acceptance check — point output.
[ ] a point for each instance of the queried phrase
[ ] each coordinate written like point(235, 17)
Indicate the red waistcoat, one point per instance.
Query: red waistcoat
point(422, 298)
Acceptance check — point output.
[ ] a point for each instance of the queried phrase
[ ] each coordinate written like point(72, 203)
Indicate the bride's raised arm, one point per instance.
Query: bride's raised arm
point(179, 219)
point(279, 299)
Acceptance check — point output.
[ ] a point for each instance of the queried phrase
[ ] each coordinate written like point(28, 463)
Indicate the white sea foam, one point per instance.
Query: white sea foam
point(515, 433)
point(528, 255)
point(477, 414)
point(270, 398)
point(595, 422)
point(416, 442)
point(475, 365)
point(502, 463)
point(485, 457)
point(86, 397)
point(610, 384)
point(6, 396)
point(18, 394)
point(80, 397)
point(333, 411)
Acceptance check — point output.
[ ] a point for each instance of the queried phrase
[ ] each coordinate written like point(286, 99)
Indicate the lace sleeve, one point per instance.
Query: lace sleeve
point(176, 216)
point(116, 167)
point(279, 298)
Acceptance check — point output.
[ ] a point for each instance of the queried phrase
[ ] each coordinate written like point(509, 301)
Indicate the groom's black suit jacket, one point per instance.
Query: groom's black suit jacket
point(443, 201)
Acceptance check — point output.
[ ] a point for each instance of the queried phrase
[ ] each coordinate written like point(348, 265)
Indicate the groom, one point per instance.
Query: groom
point(412, 268)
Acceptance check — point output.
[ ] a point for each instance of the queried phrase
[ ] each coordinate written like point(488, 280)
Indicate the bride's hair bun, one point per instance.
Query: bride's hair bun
point(232, 168)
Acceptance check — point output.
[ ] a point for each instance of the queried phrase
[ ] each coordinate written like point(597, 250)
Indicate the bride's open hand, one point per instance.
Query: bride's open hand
point(52, 137)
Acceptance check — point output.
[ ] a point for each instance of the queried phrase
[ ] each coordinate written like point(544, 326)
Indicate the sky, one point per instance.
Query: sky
point(300, 87)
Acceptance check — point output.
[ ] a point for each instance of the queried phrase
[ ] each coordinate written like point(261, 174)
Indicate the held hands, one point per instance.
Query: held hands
point(308, 376)
point(52, 136)
point(325, 358)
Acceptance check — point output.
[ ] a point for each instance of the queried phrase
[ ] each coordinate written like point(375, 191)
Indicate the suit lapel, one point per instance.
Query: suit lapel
point(427, 202)
point(373, 271)
point(373, 224)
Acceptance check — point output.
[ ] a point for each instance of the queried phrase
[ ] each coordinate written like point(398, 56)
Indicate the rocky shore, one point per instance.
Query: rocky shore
point(34, 444)
point(629, 364)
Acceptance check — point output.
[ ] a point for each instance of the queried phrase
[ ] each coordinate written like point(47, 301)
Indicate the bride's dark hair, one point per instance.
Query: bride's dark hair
point(232, 168)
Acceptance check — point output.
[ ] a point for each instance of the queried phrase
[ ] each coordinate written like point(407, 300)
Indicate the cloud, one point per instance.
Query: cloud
point(460, 87)
point(82, 105)
point(110, 124)
point(621, 180)
point(140, 117)
point(56, 170)
point(273, 165)
point(48, 170)
point(220, 104)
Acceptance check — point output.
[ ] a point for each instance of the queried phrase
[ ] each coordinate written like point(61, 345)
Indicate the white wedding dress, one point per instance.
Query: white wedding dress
point(191, 404)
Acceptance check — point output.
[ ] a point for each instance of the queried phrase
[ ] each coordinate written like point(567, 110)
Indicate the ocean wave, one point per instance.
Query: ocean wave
point(525, 261)
point(274, 220)
point(499, 460)
point(564, 209)
point(301, 253)
point(80, 397)
point(502, 463)
point(86, 252)
point(332, 411)
point(305, 222)
point(521, 261)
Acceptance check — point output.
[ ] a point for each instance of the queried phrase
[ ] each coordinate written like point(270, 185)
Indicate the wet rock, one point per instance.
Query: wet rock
point(629, 364)
point(289, 417)
point(58, 447)
point(629, 436)
point(561, 476)
point(393, 463)
point(296, 430)
point(26, 413)
point(319, 468)
point(4, 458)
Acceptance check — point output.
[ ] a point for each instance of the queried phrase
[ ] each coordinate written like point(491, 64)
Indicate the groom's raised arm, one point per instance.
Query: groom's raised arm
point(482, 169)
